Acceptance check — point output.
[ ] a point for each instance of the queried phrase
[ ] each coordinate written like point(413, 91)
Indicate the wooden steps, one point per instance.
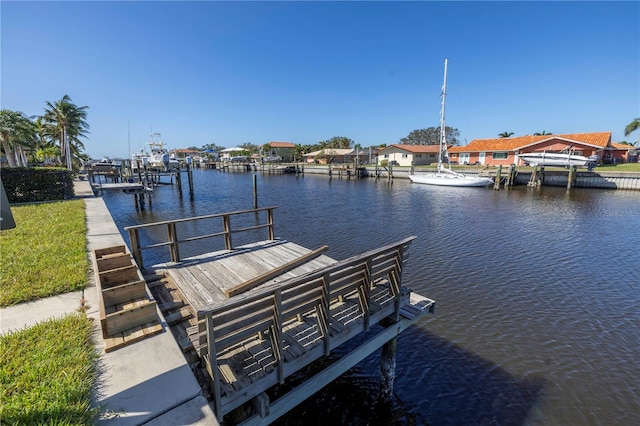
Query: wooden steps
point(179, 315)
point(128, 313)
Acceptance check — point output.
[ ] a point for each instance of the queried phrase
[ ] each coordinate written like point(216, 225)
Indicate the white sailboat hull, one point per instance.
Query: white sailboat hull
point(451, 179)
point(558, 159)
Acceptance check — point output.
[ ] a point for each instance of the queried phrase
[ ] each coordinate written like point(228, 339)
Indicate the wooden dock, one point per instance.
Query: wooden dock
point(258, 313)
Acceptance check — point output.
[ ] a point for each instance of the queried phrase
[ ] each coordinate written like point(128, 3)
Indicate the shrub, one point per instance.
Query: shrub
point(27, 185)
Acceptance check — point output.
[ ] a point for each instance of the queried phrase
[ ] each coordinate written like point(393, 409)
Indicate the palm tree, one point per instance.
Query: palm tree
point(505, 134)
point(43, 148)
point(69, 123)
point(632, 127)
point(543, 133)
point(17, 132)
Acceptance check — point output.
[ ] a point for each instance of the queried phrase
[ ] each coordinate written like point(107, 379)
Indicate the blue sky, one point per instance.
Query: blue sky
point(233, 72)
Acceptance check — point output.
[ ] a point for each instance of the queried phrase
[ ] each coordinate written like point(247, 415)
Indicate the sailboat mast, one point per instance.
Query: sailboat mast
point(443, 135)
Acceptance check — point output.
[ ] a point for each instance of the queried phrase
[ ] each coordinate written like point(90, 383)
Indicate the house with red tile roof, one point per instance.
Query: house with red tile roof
point(184, 152)
point(277, 145)
point(279, 149)
point(408, 155)
point(504, 151)
point(624, 153)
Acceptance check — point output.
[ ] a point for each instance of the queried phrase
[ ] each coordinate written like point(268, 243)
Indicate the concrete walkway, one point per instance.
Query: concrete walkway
point(148, 382)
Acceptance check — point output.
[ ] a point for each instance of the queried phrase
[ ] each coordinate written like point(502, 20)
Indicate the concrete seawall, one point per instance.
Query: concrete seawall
point(593, 179)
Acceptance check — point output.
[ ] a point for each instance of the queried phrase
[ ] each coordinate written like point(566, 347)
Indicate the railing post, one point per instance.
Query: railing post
point(226, 223)
point(272, 235)
point(326, 305)
point(398, 282)
point(135, 247)
point(367, 291)
point(213, 365)
point(277, 314)
point(172, 233)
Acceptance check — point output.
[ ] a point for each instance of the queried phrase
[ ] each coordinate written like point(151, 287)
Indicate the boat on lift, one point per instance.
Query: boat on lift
point(559, 159)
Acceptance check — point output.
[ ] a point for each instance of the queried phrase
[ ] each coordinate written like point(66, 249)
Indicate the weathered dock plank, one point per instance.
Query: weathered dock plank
point(204, 279)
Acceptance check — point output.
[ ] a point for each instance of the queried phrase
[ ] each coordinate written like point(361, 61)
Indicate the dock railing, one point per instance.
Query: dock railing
point(255, 340)
point(174, 240)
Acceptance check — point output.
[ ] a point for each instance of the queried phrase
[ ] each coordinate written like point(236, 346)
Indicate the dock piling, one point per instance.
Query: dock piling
point(511, 177)
point(496, 182)
point(255, 191)
point(179, 181)
point(571, 180)
point(190, 179)
point(387, 370)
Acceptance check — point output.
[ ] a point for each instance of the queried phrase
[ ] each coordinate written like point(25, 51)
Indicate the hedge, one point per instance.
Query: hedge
point(26, 185)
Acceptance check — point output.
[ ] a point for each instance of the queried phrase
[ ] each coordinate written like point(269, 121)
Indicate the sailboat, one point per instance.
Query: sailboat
point(444, 176)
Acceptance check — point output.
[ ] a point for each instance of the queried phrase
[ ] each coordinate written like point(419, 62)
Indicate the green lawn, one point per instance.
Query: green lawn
point(48, 370)
point(625, 167)
point(47, 373)
point(45, 254)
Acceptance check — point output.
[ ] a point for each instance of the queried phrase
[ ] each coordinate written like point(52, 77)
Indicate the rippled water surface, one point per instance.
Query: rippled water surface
point(538, 291)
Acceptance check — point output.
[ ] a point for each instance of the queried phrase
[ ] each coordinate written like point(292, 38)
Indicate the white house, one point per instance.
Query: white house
point(408, 155)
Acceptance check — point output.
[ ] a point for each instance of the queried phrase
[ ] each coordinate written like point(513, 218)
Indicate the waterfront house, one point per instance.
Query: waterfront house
point(504, 151)
point(623, 153)
point(407, 155)
point(279, 149)
point(331, 156)
point(182, 153)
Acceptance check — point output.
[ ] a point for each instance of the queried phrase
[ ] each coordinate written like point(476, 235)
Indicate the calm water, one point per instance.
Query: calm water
point(538, 293)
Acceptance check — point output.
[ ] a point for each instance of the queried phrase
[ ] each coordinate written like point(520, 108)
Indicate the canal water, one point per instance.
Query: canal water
point(537, 293)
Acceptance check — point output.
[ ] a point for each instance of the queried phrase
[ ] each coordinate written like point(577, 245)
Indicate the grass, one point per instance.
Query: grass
point(624, 167)
point(45, 254)
point(47, 373)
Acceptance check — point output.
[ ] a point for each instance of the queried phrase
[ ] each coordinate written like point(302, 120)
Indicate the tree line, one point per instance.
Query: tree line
point(53, 137)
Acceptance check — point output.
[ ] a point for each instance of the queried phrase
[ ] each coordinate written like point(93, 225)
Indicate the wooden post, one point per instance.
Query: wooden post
point(190, 179)
point(172, 234)
point(179, 181)
point(540, 177)
point(387, 370)
point(512, 175)
point(571, 180)
point(496, 182)
point(255, 191)
point(271, 232)
point(134, 240)
point(534, 176)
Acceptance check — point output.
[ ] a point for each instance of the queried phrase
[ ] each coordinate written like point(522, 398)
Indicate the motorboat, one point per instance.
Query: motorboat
point(158, 158)
point(559, 159)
